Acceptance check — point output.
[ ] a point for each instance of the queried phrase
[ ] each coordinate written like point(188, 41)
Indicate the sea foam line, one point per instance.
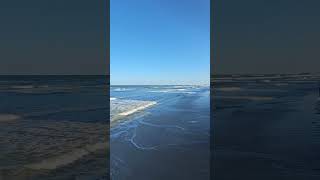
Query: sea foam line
point(120, 108)
point(126, 113)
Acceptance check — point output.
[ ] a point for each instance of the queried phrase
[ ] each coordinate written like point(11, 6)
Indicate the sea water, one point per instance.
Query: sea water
point(266, 126)
point(53, 127)
point(160, 132)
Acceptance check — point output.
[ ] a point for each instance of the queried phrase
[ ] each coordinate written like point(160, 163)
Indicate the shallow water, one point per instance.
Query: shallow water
point(169, 140)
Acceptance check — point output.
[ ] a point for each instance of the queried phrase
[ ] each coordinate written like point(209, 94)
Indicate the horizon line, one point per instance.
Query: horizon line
point(54, 75)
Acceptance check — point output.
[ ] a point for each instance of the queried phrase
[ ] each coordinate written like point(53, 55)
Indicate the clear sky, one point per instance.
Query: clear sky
point(160, 41)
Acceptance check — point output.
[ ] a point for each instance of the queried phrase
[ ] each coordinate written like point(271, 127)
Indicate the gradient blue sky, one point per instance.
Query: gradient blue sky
point(160, 41)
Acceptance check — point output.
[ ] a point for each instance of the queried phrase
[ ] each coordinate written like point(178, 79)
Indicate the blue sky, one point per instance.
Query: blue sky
point(159, 41)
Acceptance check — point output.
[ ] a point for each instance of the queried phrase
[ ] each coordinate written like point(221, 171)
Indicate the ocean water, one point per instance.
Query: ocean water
point(54, 127)
point(266, 126)
point(160, 132)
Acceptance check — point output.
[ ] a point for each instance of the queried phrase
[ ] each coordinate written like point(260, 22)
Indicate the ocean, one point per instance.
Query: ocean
point(266, 126)
point(54, 127)
point(160, 132)
point(57, 127)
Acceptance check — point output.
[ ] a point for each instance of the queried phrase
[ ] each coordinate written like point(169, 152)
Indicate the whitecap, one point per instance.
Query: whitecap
point(121, 108)
point(122, 89)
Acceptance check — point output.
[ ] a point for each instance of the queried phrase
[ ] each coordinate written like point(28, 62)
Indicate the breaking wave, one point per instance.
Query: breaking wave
point(120, 108)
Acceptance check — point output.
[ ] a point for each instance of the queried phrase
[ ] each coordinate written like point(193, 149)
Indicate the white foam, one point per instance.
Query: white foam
point(120, 108)
point(113, 98)
point(180, 90)
point(126, 113)
point(122, 89)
